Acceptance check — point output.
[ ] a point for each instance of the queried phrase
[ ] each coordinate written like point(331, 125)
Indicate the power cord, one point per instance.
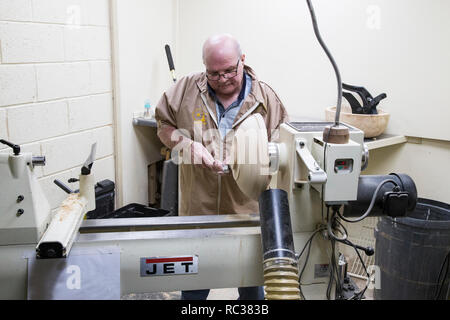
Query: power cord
point(309, 242)
point(360, 294)
point(372, 202)
point(333, 219)
point(330, 57)
point(332, 224)
point(334, 272)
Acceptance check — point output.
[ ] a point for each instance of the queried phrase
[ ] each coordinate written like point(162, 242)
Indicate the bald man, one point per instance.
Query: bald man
point(200, 113)
point(198, 116)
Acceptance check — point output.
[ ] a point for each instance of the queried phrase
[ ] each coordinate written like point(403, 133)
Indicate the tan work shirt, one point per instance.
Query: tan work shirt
point(187, 105)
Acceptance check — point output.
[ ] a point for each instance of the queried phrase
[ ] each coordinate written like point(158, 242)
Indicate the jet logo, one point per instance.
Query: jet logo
point(163, 266)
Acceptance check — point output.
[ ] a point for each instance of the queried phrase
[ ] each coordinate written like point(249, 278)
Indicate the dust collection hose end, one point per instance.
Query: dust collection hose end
point(279, 262)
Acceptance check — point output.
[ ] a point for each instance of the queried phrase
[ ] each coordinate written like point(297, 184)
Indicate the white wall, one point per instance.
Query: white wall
point(55, 86)
point(141, 29)
point(401, 48)
point(398, 47)
point(425, 160)
point(55, 67)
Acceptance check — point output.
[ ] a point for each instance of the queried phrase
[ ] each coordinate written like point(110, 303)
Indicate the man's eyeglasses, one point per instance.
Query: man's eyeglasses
point(227, 75)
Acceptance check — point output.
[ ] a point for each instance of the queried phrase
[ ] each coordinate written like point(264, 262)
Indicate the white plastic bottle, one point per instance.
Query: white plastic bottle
point(149, 111)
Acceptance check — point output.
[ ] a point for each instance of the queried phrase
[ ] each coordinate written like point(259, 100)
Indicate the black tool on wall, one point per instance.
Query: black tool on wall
point(170, 61)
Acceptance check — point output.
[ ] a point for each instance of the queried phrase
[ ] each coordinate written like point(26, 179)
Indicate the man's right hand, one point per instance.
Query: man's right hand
point(201, 156)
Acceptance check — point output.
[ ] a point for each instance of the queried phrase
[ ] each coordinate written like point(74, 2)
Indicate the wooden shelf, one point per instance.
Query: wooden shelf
point(385, 140)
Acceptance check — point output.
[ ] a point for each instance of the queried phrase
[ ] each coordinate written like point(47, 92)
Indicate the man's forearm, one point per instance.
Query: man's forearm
point(171, 137)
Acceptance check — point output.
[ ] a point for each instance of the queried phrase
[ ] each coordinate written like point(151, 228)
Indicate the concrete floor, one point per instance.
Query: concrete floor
point(217, 294)
point(214, 294)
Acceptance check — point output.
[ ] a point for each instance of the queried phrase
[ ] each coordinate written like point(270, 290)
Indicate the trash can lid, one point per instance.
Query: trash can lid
point(428, 214)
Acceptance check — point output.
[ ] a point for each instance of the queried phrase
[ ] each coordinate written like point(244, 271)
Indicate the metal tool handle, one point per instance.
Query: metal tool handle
point(369, 251)
point(15, 147)
point(86, 169)
point(170, 61)
point(63, 186)
point(169, 58)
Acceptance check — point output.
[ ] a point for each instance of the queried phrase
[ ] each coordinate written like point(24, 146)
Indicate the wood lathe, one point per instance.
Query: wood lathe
point(302, 177)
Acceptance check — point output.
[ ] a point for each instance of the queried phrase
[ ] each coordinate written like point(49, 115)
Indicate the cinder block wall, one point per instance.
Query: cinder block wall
point(55, 86)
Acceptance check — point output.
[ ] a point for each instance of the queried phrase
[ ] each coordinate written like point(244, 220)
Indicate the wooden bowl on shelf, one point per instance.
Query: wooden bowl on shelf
point(372, 125)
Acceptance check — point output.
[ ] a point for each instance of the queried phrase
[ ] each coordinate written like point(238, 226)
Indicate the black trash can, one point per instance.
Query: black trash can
point(411, 252)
